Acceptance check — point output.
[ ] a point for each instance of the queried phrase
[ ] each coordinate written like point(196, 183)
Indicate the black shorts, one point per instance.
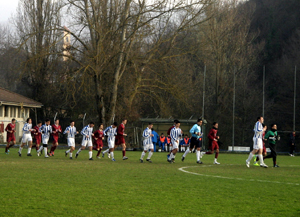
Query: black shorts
point(195, 142)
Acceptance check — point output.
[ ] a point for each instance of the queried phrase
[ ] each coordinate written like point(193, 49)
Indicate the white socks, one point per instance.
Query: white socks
point(104, 152)
point(198, 155)
point(90, 154)
point(20, 149)
point(112, 155)
point(40, 149)
point(143, 155)
point(68, 151)
point(149, 155)
point(261, 160)
point(29, 151)
point(79, 150)
point(45, 151)
point(186, 152)
point(250, 157)
point(71, 154)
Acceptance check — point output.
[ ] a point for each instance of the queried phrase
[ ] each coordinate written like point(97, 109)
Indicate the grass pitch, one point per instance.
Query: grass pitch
point(58, 186)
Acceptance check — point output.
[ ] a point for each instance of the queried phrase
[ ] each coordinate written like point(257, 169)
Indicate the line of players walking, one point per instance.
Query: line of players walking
point(115, 136)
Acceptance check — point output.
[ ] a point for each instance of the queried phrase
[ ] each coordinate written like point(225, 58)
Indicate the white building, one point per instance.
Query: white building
point(13, 105)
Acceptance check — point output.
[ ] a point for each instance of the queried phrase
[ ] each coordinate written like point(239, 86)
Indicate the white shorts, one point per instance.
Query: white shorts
point(45, 140)
point(71, 142)
point(26, 138)
point(257, 143)
point(87, 142)
point(174, 144)
point(148, 146)
point(111, 143)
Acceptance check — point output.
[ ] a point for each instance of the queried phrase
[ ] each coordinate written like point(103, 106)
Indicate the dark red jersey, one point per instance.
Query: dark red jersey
point(212, 135)
point(98, 134)
point(169, 130)
point(37, 133)
point(56, 130)
point(10, 127)
point(120, 130)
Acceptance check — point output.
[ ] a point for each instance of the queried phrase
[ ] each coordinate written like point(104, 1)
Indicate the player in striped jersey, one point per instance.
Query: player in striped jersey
point(87, 133)
point(110, 132)
point(10, 129)
point(27, 128)
point(71, 133)
point(46, 130)
point(257, 143)
point(147, 142)
point(175, 134)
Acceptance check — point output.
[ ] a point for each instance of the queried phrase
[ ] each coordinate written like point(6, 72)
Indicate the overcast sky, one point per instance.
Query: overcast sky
point(7, 7)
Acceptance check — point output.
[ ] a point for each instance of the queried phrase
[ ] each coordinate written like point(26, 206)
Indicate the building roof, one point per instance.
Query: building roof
point(10, 98)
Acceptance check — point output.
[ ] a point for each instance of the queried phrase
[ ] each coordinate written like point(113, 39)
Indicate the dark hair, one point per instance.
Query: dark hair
point(152, 129)
point(57, 119)
point(28, 119)
point(115, 124)
point(263, 125)
point(92, 122)
point(200, 119)
point(258, 118)
point(100, 124)
point(123, 119)
point(214, 123)
point(13, 119)
point(175, 121)
point(162, 134)
point(47, 120)
point(149, 123)
point(71, 121)
point(39, 122)
point(272, 125)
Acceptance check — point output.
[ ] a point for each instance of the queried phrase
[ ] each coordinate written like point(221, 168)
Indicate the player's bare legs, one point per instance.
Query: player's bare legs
point(124, 151)
point(9, 144)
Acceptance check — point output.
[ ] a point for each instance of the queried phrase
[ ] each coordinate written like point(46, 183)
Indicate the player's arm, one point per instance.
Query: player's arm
point(83, 132)
point(66, 130)
point(172, 134)
point(146, 134)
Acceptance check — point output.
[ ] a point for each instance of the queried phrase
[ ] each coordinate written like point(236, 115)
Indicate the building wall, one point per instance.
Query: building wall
point(7, 113)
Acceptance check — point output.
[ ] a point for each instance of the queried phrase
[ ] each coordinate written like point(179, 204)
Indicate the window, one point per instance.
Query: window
point(6, 111)
point(1, 111)
point(13, 112)
point(19, 112)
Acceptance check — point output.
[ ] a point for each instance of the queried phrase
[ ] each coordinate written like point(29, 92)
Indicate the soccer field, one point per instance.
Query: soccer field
point(58, 186)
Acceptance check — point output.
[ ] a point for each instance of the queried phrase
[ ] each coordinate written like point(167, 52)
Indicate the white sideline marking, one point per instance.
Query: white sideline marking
point(224, 177)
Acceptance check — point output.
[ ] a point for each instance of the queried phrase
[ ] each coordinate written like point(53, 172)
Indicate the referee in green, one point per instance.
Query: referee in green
point(272, 136)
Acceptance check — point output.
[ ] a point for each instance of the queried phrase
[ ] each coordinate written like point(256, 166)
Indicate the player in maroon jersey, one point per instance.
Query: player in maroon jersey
point(98, 140)
point(213, 142)
point(120, 137)
point(56, 129)
point(37, 135)
point(10, 129)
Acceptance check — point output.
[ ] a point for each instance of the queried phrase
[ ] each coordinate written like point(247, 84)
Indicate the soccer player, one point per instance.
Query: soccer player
point(154, 139)
point(46, 130)
point(175, 135)
point(98, 138)
point(292, 143)
point(37, 135)
point(162, 142)
point(10, 129)
point(272, 136)
point(264, 152)
point(257, 143)
point(213, 142)
point(111, 132)
point(56, 129)
point(27, 129)
point(87, 133)
point(195, 141)
point(71, 131)
point(120, 137)
point(148, 144)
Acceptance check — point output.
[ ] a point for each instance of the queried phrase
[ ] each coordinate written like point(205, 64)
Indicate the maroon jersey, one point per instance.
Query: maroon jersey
point(212, 135)
point(10, 127)
point(98, 134)
point(37, 133)
point(120, 130)
point(56, 130)
point(169, 130)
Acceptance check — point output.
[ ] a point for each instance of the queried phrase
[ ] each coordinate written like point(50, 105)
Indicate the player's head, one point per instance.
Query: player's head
point(39, 123)
point(162, 134)
point(294, 133)
point(274, 127)
point(91, 124)
point(177, 123)
point(260, 119)
point(115, 124)
point(47, 121)
point(264, 126)
point(13, 121)
point(199, 121)
point(72, 123)
point(124, 121)
point(100, 126)
point(29, 121)
point(57, 121)
point(150, 125)
point(215, 125)
point(185, 135)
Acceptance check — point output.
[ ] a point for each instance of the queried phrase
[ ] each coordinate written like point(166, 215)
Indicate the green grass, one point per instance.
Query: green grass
point(35, 186)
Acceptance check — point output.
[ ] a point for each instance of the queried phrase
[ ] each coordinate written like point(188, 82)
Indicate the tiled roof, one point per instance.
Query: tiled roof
point(10, 98)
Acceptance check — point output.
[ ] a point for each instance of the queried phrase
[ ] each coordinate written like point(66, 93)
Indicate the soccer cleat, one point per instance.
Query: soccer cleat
point(141, 161)
point(254, 158)
point(149, 160)
point(216, 162)
point(91, 159)
point(199, 162)
point(201, 154)
point(113, 159)
point(264, 165)
point(47, 156)
point(169, 160)
point(20, 155)
point(108, 155)
point(98, 157)
point(29, 155)
point(52, 154)
point(6, 152)
point(125, 158)
point(66, 154)
point(182, 158)
point(71, 158)
point(76, 155)
point(103, 155)
point(38, 154)
point(247, 164)
point(276, 165)
point(256, 164)
point(173, 160)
